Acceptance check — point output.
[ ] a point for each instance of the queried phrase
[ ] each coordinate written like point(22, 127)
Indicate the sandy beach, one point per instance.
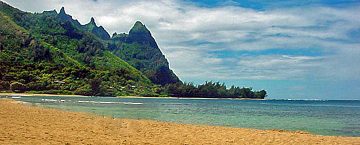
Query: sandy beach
point(33, 95)
point(27, 124)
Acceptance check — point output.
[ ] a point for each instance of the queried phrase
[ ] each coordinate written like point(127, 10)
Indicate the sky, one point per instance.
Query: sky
point(294, 49)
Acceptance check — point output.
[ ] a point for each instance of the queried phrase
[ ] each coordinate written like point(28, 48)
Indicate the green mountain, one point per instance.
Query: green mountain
point(99, 31)
point(45, 53)
point(139, 49)
point(52, 53)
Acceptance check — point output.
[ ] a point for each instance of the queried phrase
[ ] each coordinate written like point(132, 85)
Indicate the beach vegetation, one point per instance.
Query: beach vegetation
point(4, 85)
point(17, 87)
point(212, 90)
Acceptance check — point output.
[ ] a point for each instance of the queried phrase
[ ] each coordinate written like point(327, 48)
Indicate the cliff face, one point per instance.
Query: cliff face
point(140, 49)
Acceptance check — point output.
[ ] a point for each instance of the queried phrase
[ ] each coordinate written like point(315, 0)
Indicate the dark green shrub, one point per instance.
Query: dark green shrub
point(4, 85)
point(17, 87)
point(84, 90)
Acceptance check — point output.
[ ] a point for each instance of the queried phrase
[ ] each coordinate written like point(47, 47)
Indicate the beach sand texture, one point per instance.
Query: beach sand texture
point(27, 124)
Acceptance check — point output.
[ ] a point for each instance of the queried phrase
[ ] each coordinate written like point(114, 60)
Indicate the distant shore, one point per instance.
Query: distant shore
point(55, 95)
point(26, 124)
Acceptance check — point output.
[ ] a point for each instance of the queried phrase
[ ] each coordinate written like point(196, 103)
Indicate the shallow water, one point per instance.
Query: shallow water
point(320, 117)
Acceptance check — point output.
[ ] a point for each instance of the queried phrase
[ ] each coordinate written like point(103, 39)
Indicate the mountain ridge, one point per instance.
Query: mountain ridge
point(64, 59)
point(138, 48)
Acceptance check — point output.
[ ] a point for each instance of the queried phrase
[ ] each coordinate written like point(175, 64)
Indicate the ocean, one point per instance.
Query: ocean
point(323, 117)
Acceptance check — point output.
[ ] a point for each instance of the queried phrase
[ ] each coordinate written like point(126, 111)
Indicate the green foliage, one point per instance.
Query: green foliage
point(4, 85)
point(260, 94)
point(84, 90)
point(212, 90)
point(17, 87)
point(57, 92)
point(95, 85)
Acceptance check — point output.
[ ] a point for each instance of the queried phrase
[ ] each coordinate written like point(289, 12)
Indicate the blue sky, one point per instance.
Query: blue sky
point(295, 49)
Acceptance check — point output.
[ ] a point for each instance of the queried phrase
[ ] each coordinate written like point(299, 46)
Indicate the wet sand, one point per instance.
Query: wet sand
point(27, 124)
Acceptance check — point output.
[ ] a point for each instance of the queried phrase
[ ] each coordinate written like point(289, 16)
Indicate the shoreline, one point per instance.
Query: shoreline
point(56, 95)
point(27, 124)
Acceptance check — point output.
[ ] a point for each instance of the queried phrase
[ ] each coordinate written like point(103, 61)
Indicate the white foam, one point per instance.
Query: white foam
point(95, 102)
point(107, 102)
point(86, 101)
point(131, 103)
point(49, 100)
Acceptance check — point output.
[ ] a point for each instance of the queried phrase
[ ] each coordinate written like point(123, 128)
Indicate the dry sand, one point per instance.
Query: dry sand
point(26, 124)
point(33, 95)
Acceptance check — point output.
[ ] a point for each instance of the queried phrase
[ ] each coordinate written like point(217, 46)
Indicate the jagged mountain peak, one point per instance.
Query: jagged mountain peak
point(92, 21)
point(62, 10)
point(145, 56)
point(65, 17)
point(90, 27)
point(141, 35)
point(139, 27)
point(97, 30)
point(139, 24)
point(114, 34)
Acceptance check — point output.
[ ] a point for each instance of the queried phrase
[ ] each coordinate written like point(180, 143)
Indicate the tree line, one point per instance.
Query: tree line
point(212, 90)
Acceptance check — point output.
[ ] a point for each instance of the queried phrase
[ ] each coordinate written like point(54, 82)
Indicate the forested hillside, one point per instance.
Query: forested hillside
point(44, 53)
point(53, 53)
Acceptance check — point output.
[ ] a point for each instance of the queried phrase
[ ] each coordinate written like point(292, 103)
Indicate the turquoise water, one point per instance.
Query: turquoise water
point(319, 117)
